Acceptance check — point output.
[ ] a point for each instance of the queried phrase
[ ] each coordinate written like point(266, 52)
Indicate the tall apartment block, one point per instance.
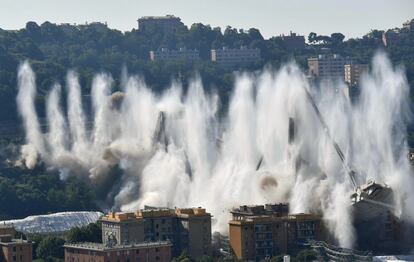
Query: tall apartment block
point(165, 24)
point(327, 66)
point(186, 228)
point(227, 57)
point(353, 73)
point(260, 232)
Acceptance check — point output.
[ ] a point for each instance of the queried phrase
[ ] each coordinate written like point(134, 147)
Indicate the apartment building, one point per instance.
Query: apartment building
point(187, 228)
point(164, 54)
point(122, 228)
point(353, 73)
point(409, 25)
point(194, 227)
point(228, 57)
point(293, 41)
point(261, 232)
point(12, 249)
point(327, 66)
point(97, 252)
point(164, 24)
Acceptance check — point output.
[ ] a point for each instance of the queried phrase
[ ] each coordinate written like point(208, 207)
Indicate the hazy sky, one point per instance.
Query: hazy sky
point(273, 17)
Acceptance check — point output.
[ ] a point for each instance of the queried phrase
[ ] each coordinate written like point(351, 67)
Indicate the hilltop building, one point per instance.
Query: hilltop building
point(187, 229)
point(98, 26)
point(260, 232)
point(327, 66)
point(12, 249)
point(164, 54)
point(409, 25)
point(396, 35)
point(227, 57)
point(163, 24)
point(293, 41)
point(391, 37)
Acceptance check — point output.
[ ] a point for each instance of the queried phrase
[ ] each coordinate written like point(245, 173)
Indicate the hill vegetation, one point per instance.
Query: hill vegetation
point(53, 49)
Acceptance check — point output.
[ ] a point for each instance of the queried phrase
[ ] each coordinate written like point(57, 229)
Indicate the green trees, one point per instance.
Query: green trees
point(312, 37)
point(337, 38)
point(38, 192)
point(50, 248)
point(90, 233)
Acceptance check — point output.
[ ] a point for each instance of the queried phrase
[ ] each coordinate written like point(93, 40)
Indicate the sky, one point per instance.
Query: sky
point(353, 18)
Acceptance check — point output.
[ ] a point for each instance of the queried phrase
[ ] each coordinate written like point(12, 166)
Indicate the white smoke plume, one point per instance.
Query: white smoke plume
point(198, 158)
point(25, 102)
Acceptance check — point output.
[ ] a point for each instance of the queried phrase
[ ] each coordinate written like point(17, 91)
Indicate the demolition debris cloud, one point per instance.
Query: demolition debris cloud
point(174, 150)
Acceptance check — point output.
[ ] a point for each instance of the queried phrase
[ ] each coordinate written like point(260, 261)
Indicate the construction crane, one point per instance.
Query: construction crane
point(371, 199)
point(351, 173)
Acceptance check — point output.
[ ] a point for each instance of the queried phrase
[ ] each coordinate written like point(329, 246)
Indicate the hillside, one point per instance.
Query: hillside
point(53, 49)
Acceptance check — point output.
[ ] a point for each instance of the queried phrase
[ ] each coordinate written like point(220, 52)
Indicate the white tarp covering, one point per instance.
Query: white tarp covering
point(53, 223)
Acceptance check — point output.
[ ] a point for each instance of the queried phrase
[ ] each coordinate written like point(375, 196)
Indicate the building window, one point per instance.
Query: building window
point(14, 258)
point(157, 249)
point(157, 258)
point(14, 249)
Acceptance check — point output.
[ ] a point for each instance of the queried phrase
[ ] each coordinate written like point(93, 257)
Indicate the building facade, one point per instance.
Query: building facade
point(187, 228)
point(391, 37)
point(97, 252)
point(353, 73)
point(122, 228)
point(7, 229)
point(232, 57)
point(261, 232)
point(163, 24)
point(293, 41)
point(409, 25)
point(327, 66)
point(11, 249)
point(194, 231)
point(164, 54)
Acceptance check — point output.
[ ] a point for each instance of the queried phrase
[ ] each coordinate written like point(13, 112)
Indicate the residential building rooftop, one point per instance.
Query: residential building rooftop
point(101, 247)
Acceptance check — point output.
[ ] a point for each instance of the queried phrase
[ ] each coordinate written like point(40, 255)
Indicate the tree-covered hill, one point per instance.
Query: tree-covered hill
point(53, 49)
